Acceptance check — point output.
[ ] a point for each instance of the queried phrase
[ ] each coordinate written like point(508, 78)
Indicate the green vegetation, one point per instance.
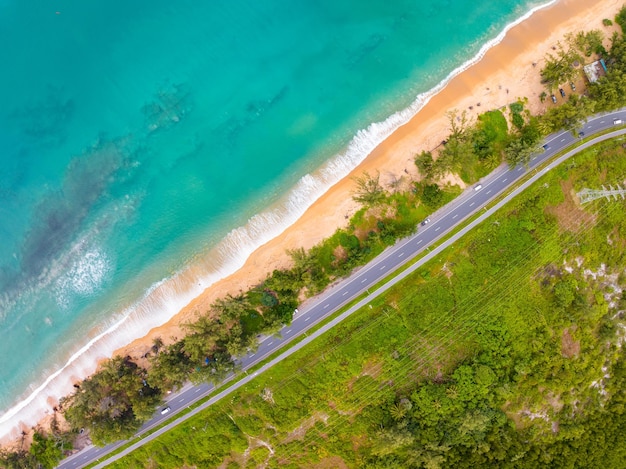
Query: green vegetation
point(368, 189)
point(563, 66)
point(560, 68)
point(471, 151)
point(459, 154)
point(587, 43)
point(426, 340)
point(570, 115)
point(114, 402)
point(45, 452)
point(504, 351)
point(525, 141)
point(48, 451)
point(620, 19)
point(516, 114)
point(608, 92)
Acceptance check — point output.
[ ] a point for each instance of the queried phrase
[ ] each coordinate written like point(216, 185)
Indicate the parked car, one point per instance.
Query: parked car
point(572, 86)
point(553, 98)
point(562, 91)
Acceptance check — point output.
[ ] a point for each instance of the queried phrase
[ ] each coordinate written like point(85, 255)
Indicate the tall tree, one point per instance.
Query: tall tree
point(518, 151)
point(425, 165)
point(560, 68)
point(231, 307)
point(570, 115)
point(587, 42)
point(171, 367)
point(368, 190)
point(114, 402)
point(620, 19)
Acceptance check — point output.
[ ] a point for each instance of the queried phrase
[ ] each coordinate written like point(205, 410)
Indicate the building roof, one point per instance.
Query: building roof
point(595, 70)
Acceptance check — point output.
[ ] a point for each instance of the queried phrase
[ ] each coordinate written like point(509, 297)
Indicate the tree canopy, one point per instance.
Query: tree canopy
point(114, 402)
point(368, 190)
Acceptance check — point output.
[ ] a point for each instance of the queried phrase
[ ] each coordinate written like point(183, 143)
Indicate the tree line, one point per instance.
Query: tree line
point(504, 351)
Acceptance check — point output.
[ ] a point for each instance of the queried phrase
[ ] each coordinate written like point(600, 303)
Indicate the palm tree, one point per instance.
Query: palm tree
point(397, 411)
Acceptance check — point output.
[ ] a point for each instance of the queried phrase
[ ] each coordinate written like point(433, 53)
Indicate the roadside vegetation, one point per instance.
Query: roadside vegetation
point(456, 365)
point(505, 350)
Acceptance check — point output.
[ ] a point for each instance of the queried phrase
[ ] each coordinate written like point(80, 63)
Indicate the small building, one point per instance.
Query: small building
point(595, 70)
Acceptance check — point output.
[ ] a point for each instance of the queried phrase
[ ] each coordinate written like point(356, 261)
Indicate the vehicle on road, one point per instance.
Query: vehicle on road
point(165, 410)
point(425, 222)
point(478, 187)
point(581, 134)
point(553, 98)
point(562, 91)
point(546, 147)
point(617, 121)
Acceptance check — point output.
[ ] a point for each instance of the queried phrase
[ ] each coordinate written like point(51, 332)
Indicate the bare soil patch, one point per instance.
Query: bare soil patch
point(300, 431)
point(569, 214)
point(372, 368)
point(451, 179)
point(569, 347)
point(340, 254)
point(332, 462)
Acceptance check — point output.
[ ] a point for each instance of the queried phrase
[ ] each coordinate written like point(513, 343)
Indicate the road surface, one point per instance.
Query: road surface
point(317, 309)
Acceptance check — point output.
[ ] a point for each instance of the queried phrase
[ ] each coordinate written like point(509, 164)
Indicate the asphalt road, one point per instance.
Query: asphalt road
point(318, 308)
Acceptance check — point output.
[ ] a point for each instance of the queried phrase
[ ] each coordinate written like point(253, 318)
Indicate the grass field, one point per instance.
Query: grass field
point(504, 333)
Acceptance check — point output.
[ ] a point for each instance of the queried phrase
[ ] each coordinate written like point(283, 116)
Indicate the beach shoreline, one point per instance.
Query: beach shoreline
point(509, 70)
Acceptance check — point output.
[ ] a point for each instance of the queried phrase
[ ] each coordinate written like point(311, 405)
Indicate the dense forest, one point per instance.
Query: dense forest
point(504, 350)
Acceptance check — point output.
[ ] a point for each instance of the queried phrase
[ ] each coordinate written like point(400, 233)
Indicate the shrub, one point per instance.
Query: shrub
point(620, 19)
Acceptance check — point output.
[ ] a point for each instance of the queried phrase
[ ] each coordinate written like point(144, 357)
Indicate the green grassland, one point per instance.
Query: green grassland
point(504, 350)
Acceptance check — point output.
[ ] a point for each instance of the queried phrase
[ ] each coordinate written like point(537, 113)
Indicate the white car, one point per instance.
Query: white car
point(166, 410)
point(478, 187)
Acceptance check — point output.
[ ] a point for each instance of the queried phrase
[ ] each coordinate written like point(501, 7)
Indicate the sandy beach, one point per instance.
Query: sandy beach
point(508, 71)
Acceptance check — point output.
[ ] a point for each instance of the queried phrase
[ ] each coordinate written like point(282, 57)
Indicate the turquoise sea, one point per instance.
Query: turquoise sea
point(146, 149)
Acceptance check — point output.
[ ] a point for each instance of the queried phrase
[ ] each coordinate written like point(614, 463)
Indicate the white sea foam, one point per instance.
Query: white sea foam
point(83, 277)
point(167, 297)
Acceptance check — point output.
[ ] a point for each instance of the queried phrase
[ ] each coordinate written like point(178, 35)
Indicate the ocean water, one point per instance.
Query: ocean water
point(147, 148)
